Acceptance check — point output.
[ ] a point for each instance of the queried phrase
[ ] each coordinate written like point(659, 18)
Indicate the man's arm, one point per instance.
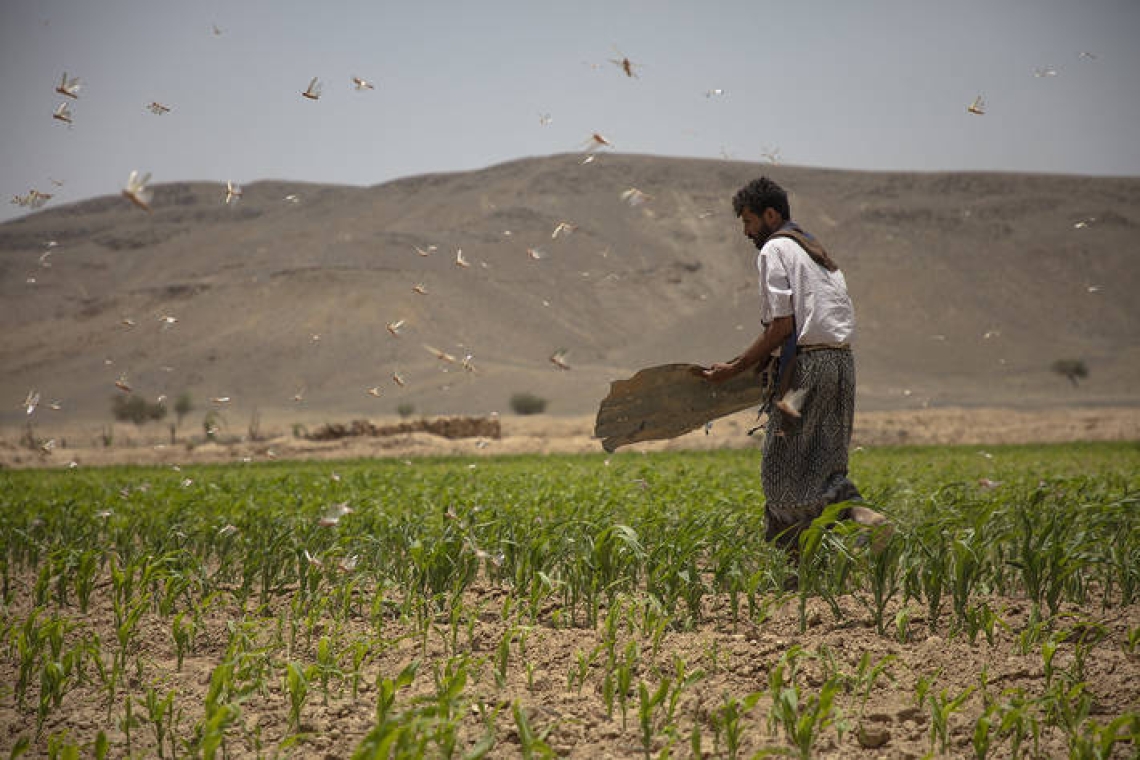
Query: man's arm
point(767, 342)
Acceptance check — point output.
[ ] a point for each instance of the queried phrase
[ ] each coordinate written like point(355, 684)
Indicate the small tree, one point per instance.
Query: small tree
point(1072, 369)
point(136, 409)
point(527, 403)
point(405, 409)
point(183, 405)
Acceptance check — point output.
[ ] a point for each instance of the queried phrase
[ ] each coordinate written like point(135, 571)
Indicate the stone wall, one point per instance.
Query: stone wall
point(445, 427)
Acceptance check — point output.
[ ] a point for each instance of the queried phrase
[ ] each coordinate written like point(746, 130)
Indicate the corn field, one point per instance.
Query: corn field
point(572, 606)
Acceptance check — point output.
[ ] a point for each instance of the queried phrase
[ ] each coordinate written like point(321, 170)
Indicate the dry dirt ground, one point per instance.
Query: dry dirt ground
point(735, 659)
point(565, 703)
point(542, 434)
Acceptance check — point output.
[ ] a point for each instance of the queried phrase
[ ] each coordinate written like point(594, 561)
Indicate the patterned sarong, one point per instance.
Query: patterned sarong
point(804, 465)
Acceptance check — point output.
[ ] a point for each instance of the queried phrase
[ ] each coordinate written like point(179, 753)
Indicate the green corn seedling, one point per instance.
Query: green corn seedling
point(128, 722)
point(533, 743)
point(297, 687)
point(682, 680)
point(625, 672)
point(941, 708)
point(327, 667)
point(183, 632)
point(160, 713)
point(728, 720)
point(982, 736)
point(647, 706)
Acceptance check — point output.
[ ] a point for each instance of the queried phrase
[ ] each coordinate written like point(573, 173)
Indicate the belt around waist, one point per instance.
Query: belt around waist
point(806, 347)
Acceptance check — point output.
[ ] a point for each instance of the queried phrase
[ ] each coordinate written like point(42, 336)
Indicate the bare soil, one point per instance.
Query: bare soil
point(567, 705)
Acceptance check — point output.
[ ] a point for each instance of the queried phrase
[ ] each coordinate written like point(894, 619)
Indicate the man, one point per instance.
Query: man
point(807, 314)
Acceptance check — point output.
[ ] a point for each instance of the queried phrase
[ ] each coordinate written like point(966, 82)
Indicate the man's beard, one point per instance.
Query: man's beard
point(761, 237)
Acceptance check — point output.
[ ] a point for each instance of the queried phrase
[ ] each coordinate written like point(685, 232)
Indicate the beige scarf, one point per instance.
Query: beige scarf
point(813, 247)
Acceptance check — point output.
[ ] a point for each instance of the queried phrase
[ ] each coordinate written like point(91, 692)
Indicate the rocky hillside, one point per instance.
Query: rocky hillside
point(968, 287)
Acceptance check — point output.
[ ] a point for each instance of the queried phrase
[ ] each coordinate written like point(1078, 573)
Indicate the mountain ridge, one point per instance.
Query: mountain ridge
point(967, 287)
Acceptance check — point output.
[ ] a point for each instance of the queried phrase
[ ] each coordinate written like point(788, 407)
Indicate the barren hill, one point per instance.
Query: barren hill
point(967, 288)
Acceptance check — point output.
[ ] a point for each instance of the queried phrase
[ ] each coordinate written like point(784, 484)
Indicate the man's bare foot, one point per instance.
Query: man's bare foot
point(866, 516)
point(880, 528)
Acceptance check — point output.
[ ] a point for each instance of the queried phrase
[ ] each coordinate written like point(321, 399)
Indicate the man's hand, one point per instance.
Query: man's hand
point(720, 372)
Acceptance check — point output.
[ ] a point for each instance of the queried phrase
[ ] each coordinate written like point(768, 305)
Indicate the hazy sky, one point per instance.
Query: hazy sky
point(882, 84)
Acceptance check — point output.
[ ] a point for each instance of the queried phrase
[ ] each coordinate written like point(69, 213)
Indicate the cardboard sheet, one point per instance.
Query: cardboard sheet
point(670, 400)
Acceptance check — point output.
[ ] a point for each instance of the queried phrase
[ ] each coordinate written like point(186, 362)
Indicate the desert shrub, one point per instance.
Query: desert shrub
point(1073, 369)
point(212, 425)
point(136, 409)
point(405, 410)
point(527, 403)
point(183, 405)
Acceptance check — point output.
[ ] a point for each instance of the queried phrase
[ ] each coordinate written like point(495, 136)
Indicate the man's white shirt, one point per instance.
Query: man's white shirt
point(791, 282)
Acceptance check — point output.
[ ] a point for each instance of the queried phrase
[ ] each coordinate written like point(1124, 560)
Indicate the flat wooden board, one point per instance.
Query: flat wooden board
point(670, 400)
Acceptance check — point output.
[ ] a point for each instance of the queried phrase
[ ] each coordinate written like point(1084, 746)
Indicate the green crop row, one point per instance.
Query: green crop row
point(322, 567)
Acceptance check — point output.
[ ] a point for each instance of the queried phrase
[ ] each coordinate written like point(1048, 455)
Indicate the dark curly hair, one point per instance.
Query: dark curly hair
point(760, 194)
